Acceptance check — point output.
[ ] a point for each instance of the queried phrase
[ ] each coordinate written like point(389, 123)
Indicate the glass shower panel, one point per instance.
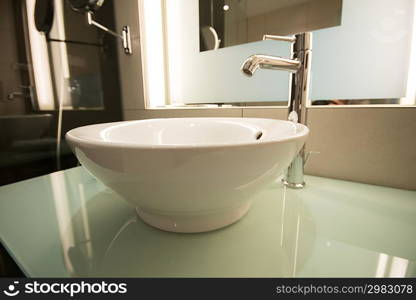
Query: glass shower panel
point(73, 62)
point(76, 51)
point(85, 86)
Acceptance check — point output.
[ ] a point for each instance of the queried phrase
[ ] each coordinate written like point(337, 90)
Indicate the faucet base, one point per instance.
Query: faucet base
point(293, 185)
point(293, 177)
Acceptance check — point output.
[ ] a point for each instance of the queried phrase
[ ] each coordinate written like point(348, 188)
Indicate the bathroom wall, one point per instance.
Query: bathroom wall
point(372, 145)
point(11, 62)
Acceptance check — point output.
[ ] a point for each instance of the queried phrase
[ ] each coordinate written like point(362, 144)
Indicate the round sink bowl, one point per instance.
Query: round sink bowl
point(188, 174)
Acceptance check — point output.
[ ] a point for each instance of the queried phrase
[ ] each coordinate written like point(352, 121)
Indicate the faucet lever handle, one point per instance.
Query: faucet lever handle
point(290, 39)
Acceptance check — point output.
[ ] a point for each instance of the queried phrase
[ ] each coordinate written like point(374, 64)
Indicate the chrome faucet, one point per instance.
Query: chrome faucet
point(299, 65)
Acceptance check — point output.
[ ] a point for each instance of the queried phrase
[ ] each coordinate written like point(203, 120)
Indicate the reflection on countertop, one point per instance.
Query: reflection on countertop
point(28, 147)
point(67, 224)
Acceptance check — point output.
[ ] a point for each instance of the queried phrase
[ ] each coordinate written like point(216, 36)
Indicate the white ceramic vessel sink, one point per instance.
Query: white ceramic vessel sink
point(188, 174)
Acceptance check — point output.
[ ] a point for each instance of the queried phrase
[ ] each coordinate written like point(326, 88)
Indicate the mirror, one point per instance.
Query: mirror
point(365, 56)
point(224, 23)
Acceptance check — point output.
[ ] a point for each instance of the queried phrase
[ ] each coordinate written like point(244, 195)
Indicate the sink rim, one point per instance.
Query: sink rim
point(97, 140)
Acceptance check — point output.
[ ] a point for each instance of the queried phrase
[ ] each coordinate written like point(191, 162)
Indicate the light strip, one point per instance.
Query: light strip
point(410, 98)
point(40, 61)
point(152, 40)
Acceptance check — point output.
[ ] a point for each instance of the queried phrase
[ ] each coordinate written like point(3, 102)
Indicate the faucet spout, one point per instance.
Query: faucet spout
point(256, 61)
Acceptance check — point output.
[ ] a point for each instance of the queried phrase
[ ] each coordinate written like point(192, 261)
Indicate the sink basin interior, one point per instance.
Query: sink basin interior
point(177, 132)
point(188, 132)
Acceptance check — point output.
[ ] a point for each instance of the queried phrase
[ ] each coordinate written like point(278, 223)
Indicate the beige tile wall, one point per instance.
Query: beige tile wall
point(269, 113)
point(370, 145)
point(180, 113)
point(373, 145)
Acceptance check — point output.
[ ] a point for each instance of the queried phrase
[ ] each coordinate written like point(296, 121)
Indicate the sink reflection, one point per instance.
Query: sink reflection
point(252, 247)
point(23, 127)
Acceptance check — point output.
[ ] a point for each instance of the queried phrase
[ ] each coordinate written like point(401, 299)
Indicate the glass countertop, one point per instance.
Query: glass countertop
point(67, 224)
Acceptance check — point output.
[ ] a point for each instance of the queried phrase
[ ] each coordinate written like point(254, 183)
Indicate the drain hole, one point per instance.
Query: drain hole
point(259, 135)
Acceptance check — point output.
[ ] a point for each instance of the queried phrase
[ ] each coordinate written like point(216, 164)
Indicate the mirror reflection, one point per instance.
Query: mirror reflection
point(224, 23)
